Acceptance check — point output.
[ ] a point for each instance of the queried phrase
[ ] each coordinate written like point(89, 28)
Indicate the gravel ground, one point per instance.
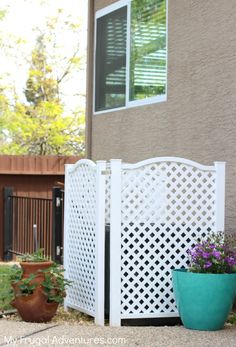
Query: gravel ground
point(55, 334)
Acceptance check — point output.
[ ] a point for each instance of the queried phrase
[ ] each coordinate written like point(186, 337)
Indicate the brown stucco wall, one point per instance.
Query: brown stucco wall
point(98, 4)
point(198, 120)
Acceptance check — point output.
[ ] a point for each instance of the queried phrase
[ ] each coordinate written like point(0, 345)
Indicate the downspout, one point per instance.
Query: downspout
point(89, 81)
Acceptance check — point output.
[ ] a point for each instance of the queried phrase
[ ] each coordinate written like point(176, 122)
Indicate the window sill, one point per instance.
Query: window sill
point(136, 103)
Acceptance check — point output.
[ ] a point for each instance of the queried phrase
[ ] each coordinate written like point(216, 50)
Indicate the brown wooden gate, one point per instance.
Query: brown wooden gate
point(32, 223)
point(30, 176)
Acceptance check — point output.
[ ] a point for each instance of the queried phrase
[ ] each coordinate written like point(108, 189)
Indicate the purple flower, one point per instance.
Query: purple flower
point(231, 261)
point(193, 253)
point(207, 265)
point(216, 254)
point(213, 255)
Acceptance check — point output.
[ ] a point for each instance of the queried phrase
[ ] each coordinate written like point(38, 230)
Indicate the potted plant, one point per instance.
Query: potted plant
point(205, 292)
point(35, 263)
point(39, 287)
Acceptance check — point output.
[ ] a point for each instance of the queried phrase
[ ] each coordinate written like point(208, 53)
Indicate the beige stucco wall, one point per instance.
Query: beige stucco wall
point(198, 120)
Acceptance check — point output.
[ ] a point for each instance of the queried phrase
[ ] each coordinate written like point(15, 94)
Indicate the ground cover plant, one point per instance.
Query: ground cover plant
point(6, 295)
point(232, 318)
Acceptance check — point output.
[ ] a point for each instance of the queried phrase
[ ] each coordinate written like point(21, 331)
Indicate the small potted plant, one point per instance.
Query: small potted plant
point(205, 292)
point(35, 263)
point(39, 287)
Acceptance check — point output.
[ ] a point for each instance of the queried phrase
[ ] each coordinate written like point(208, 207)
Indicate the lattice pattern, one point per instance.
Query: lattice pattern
point(165, 207)
point(81, 243)
point(108, 198)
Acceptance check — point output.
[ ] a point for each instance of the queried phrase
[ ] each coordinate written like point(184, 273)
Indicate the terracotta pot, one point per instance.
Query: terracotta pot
point(34, 307)
point(35, 268)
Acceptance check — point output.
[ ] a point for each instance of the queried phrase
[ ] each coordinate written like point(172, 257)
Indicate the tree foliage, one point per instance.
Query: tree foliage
point(41, 123)
point(40, 85)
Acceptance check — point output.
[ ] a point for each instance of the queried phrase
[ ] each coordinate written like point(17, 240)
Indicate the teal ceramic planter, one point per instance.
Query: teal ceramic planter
point(204, 301)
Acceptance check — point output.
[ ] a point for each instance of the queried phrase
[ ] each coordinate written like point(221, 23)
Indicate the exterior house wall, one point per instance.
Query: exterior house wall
point(198, 120)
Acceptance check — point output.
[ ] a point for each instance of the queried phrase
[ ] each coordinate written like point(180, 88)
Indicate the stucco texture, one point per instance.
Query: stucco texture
point(198, 119)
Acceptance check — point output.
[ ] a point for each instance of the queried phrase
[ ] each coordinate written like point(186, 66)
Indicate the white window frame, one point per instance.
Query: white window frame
point(128, 104)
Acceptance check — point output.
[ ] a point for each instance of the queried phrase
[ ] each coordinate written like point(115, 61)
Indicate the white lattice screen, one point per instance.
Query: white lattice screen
point(81, 234)
point(108, 196)
point(165, 207)
point(156, 209)
point(166, 204)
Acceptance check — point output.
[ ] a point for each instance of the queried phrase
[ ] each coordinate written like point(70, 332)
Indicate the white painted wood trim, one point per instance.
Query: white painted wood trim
point(150, 315)
point(220, 196)
point(128, 32)
point(134, 103)
point(97, 113)
point(100, 243)
point(115, 243)
point(66, 206)
point(146, 101)
point(168, 159)
point(80, 162)
point(94, 63)
point(104, 11)
point(167, 48)
point(111, 8)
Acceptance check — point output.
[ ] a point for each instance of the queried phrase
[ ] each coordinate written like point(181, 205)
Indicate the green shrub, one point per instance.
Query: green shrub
point(7, 272)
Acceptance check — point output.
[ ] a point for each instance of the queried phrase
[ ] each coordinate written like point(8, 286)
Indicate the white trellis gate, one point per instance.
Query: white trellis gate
point(156, 209)
point(84, 237)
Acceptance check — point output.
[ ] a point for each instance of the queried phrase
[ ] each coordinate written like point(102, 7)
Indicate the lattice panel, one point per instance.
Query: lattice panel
point(165, 207)
point(107, 199)
point(81, 220)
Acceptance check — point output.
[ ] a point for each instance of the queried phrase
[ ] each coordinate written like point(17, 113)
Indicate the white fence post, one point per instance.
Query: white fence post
point(100, 243)
point(115, 244)
point(66, 206)
point(220, 196)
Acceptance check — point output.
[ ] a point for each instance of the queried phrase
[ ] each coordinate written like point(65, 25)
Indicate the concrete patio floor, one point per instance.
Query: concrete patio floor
point(14, 333)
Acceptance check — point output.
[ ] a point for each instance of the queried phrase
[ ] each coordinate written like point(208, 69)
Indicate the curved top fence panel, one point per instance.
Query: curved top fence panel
point(156, 209)
point(166, 203)
point(168, 159)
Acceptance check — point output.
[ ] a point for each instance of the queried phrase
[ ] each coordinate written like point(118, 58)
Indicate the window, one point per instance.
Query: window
point(130, 55)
